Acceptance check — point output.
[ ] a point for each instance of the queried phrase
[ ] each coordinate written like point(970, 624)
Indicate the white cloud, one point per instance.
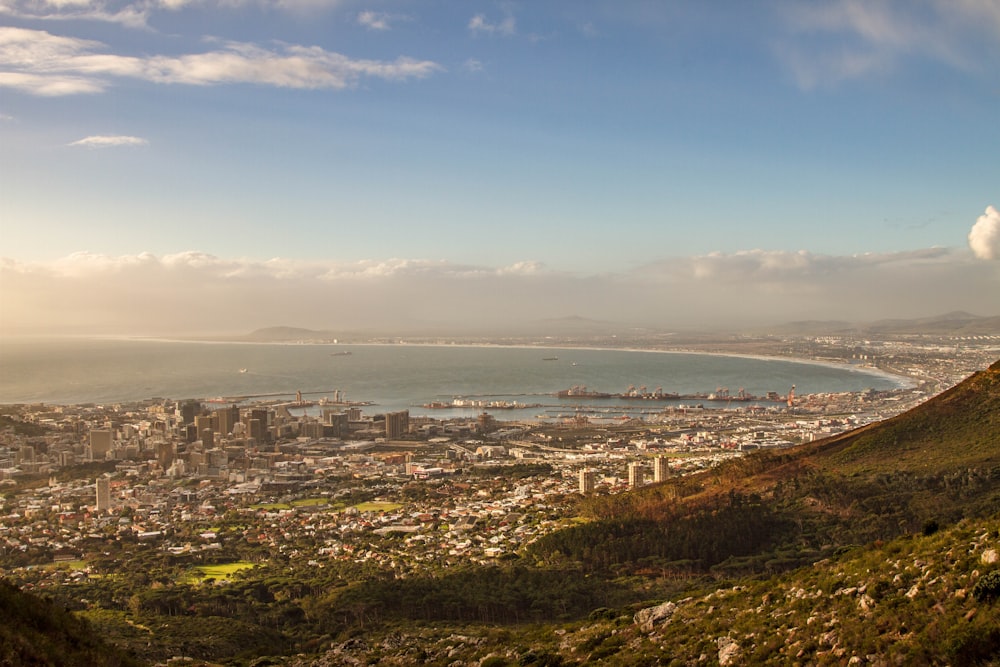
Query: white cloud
point(380, 21)
point(109, 141)
point(473, 65)
point(197, 291)
point(129, 14)
point(50, 86)
point(831, 42)
point(137, 14)
point(984, 237)
point(506, 27)
point(54, 65)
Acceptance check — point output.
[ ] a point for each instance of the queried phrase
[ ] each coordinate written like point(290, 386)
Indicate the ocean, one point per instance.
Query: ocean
point(394, 377)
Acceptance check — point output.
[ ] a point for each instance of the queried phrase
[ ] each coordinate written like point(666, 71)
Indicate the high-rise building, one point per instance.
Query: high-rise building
point(188, 410)
point(588, 479)
point(260, 432)
point(103, 494)
point(228, 418)
point(661, 469)
point(202, 422)
point(397, 424)
point(339, 423)
point(636, 474)
point(100, 444)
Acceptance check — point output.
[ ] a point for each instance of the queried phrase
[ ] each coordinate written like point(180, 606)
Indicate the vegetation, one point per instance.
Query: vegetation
point(37, 631)
point(881, 542)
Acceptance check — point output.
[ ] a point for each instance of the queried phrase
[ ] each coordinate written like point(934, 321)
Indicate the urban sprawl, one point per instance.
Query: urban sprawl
point(391, 489)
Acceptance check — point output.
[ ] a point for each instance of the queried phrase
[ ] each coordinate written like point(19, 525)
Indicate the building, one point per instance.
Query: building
point(203, 422)
point(227, 418)
point(397, 424)
point(257, 423)
point(187, 410)
point(636, 475)
point(100, 444)
point(588, 479)
point(661, 469)
point(103, 494)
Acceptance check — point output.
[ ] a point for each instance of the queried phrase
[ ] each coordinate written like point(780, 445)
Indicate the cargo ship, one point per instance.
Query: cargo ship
point(580, 391)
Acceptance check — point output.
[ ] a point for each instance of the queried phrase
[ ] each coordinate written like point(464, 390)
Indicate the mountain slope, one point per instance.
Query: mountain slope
point(937, 463)
point(37, 632)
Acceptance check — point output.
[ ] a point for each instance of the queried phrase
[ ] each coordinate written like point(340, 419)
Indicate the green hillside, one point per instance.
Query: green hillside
point(933, 465)
point(38, 632)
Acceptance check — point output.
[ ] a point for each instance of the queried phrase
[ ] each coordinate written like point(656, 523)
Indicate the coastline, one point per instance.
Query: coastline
point(902, 381)
point(543, 348)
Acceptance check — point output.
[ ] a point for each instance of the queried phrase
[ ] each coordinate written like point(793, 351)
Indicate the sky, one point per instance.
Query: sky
point(196, 166)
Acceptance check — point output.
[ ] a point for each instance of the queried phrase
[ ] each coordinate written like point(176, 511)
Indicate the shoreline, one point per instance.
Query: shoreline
point(902, 381)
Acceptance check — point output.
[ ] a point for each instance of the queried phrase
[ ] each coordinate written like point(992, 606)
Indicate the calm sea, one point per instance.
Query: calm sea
point(393, 377)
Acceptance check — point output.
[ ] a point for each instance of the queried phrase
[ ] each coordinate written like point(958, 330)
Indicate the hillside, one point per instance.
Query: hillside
point(939, 462)
point(880, 546)
point(37, 632)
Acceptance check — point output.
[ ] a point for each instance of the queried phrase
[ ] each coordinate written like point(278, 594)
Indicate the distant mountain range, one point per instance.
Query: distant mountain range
point(956, 323)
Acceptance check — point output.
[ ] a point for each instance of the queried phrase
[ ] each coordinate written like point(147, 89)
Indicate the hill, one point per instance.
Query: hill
point(880, 546)
point(286, 334)
point(37, 632)
point(948, 324)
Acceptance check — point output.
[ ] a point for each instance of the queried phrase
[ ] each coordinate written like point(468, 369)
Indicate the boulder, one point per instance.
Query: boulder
point(647, 619)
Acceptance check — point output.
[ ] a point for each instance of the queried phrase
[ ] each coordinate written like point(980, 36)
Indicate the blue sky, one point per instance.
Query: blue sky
point(588, 148)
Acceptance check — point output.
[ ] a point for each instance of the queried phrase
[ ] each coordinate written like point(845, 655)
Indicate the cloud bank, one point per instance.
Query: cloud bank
point(984, 237)
point(41, 63)
point(196, 292)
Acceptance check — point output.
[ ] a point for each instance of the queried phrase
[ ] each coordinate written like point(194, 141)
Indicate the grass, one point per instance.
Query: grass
point(67, 565)
point(310, 502)
point(301, 502)
point(218, 572)
point(378, 507)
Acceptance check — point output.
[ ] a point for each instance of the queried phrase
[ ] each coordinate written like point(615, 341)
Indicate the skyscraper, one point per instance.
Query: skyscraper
point(228, 417)
point(661, 469)
point(100, 444)
point(636, 474)
point(103, 494)
point(588, 479)
point(397, 424)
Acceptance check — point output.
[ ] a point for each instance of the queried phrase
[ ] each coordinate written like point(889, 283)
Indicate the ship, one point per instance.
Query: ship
point(580, 391)
point(340, 354)
point(550, 358)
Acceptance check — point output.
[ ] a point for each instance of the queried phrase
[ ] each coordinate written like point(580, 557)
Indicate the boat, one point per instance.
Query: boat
point(550, 358)
point(581, 391)
point(340, 354)
point(243, 370)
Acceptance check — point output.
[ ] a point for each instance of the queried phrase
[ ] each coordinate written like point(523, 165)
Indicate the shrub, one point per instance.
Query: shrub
point(987, 588)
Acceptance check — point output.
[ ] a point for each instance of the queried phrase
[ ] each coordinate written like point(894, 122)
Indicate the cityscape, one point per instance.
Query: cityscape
point(165, 470)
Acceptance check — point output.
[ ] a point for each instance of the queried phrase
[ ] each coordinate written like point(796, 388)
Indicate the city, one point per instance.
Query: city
point(241, 484)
